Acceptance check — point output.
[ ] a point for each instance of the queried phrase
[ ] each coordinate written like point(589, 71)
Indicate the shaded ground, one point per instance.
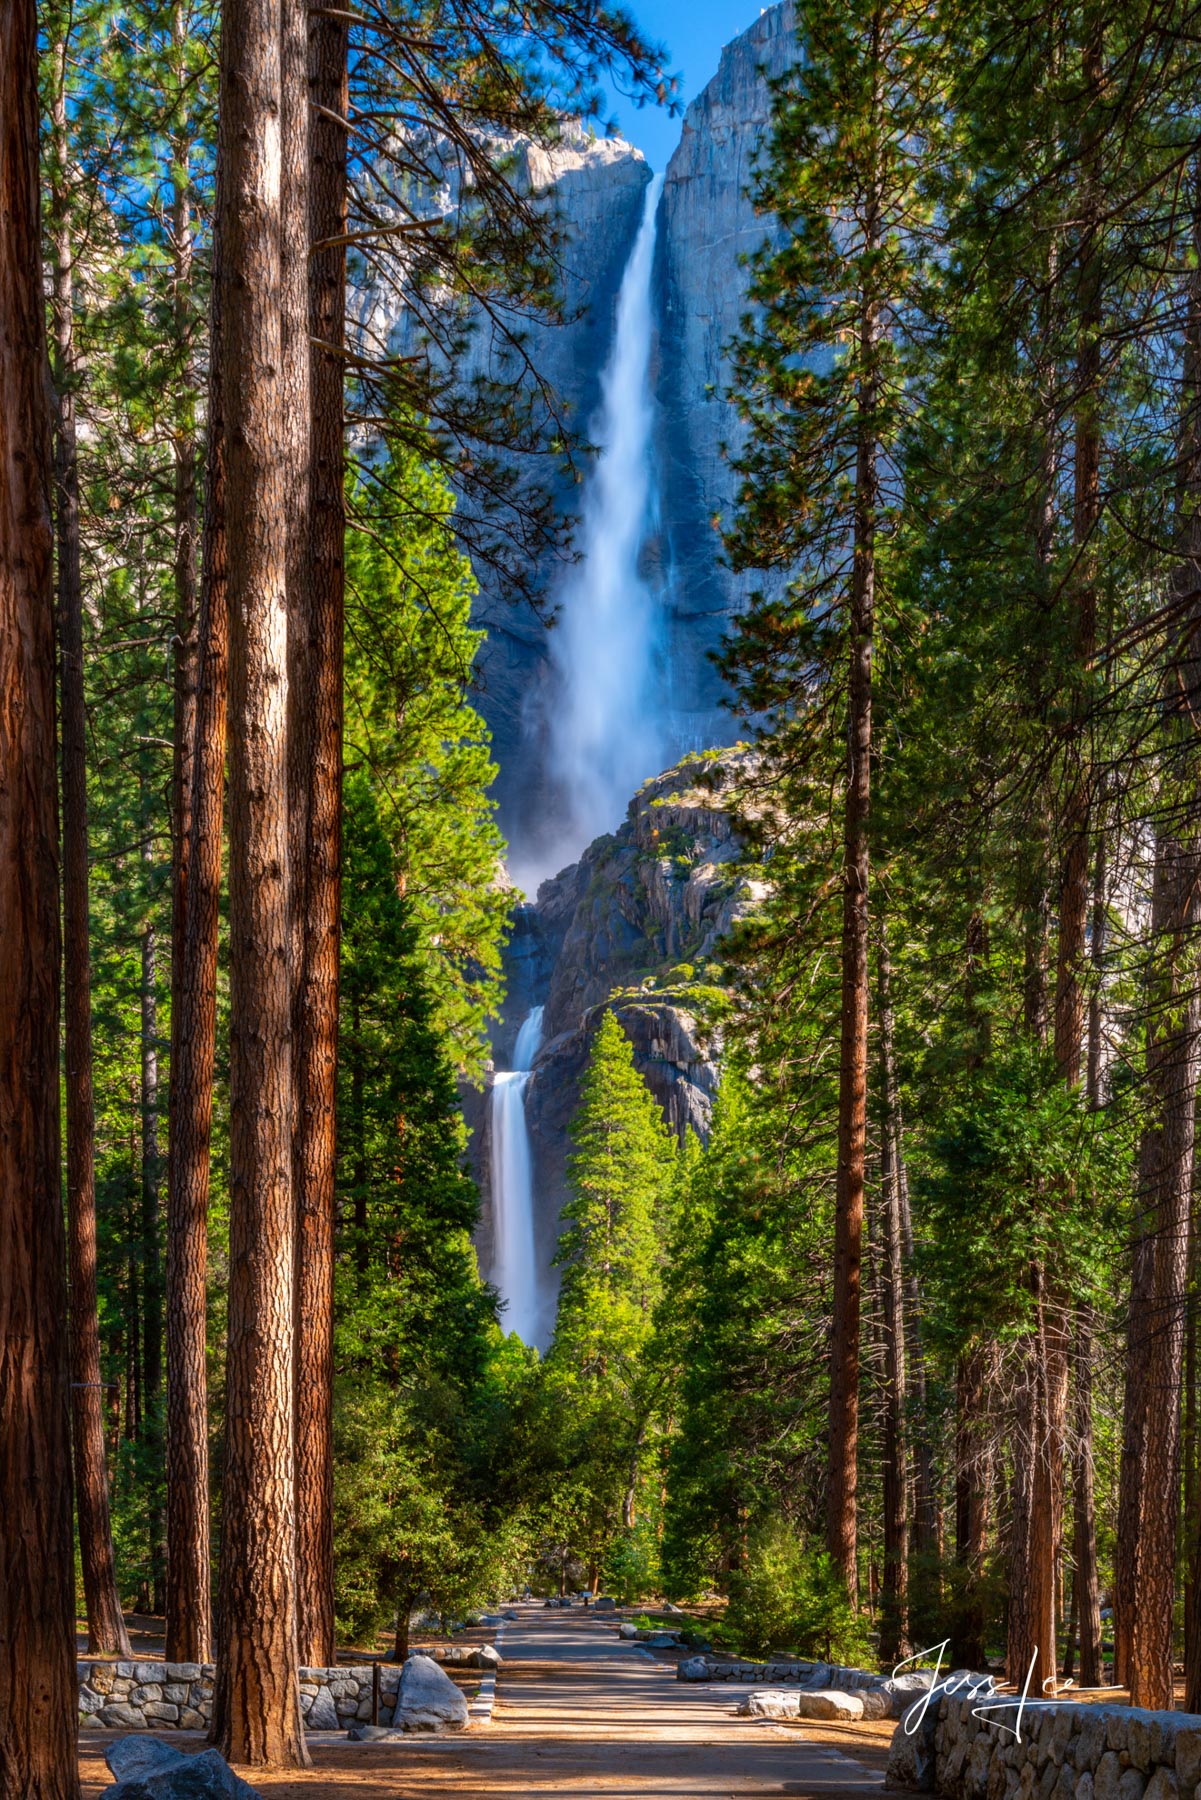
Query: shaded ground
point(580, 1713)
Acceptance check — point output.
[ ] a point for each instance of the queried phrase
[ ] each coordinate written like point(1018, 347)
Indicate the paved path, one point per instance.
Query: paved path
point(580, 1713)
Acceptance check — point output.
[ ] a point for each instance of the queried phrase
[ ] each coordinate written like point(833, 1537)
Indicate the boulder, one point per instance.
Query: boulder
point(693, 1668)
point(659, 1640)
point(140, 1756)
point(486, 1657)
point(147, 1769)
point(627, 1630)
point(428, 1698)
point(604, 1603)
point(828, 1703)
point(771, 1703)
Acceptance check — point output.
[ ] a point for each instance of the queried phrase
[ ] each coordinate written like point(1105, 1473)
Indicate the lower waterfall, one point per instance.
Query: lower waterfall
point(515, 1262)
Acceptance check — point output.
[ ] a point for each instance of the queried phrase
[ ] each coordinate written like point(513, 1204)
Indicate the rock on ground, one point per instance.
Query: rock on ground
point(828, 1703)
point(693, 1668)
point(771, 1703)
point(148, 1769)
point(486, 1657)
point(428, 1698)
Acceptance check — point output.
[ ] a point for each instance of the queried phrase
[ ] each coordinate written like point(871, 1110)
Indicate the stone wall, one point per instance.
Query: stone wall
point(153, 1696)
point(1066, 1751)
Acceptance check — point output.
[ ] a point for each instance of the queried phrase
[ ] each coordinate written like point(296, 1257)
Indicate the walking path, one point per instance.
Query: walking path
point(579, 1712)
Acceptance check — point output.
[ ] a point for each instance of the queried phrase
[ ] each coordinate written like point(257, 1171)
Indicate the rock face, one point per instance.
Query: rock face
point(596, 187)
point(706, 224)
point(633, 927)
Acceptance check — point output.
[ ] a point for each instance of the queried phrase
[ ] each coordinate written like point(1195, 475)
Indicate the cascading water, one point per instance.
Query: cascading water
point(515, 1271)
point(604, 733)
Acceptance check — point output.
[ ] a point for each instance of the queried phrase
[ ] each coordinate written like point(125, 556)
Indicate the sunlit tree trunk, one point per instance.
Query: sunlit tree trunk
point(38, 1696)
point(106, 1626)
point(256, 1709)
point(317, 1013)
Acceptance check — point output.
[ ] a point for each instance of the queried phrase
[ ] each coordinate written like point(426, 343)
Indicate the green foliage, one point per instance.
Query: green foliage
point(743, 1325)
point(601, 1397)
point(412, 732)
point(422, 1368)
point(1018, 1174)
point(786, 1597)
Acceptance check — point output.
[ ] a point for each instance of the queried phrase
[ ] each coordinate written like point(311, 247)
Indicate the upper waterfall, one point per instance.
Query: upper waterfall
point(604, 733)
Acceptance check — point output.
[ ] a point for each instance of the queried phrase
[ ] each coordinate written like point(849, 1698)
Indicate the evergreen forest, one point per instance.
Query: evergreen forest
point(897, 1347)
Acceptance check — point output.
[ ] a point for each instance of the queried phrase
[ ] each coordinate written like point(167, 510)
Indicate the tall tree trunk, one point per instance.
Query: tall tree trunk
point(1158, 1292)
point(1030, 1652)
point(106, 1627)
point(1192, 1475)
point(152, 1331)
point(315, 1162)
point(842, 1478)
point(37, 1564)
point(894, 1621)
point(1084, 1526)
point(200, 738)
point(256, 1710)
point(973, 1485)
point(1165, 1176)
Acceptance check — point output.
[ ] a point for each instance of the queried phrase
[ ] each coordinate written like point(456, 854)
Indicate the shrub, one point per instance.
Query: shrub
point(787, 1597)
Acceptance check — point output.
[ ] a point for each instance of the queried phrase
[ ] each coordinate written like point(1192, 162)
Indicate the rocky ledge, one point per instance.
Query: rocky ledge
point(636, 928)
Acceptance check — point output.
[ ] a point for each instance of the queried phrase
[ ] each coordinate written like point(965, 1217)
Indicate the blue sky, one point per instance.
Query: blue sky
point(694, 32)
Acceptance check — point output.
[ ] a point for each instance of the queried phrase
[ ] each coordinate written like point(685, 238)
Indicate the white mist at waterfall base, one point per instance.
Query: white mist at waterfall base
point(515, 1272)
point(604, 732)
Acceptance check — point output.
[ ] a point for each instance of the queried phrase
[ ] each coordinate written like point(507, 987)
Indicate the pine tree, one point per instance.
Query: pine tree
point(598, 1378)
point(820, 378)
point(37, 1600)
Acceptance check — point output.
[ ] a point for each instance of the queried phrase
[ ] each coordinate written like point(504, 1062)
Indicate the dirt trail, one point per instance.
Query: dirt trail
point(579, 1713)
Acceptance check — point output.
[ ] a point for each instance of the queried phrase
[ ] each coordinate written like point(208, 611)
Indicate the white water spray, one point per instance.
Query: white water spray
point(605, 738)
point(515, 1263)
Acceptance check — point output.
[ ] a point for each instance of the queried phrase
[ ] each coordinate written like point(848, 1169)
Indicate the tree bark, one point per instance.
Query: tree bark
point(1165, 1176)
point(256, 1710)
point(894, 1617)
point(1084, 1523)
point(1158, 1292)
point(201, 792)
point(315, 1162)
point(841, 1519)
point(37, 1565)
point(106, 1626)
point(973, 1484)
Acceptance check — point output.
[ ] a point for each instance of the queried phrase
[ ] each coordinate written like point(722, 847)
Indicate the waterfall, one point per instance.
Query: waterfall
point(514, 1262)
point(605, 738)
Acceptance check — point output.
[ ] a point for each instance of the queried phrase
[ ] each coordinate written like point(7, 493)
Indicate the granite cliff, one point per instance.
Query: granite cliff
point(635, 926)
point(706, 224)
